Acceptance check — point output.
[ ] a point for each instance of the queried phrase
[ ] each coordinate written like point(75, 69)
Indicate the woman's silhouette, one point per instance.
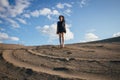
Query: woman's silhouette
point(61, 29)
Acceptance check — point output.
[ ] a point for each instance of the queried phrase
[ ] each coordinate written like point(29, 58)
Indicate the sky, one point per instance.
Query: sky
point(34, 22)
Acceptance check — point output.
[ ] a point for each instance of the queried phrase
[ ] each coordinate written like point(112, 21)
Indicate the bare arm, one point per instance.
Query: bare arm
point(57, 28)
point(64, 26)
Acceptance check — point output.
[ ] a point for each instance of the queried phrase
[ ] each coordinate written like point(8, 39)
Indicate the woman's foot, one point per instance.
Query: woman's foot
point(62, 46)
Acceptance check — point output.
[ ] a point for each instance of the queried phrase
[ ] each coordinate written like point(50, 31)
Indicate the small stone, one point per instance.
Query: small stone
point(69, 52)
point(29, 71)
point(67, 59)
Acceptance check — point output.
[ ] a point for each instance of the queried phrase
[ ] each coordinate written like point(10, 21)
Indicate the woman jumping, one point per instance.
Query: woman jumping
point(61, 29)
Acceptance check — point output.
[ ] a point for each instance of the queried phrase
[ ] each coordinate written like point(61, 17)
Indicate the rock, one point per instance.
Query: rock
point(60, 69)
point(29, 71)
point(69, 52)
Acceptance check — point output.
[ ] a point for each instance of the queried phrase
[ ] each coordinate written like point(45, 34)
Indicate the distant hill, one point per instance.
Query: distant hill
point(109, 40)
point(10, 46)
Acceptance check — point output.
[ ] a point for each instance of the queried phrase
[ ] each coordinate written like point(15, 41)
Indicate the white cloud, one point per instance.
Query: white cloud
point(14, 24)
point(1, 42)
point(83, 3)
point(61, 6)
point(14, 38)
point(50, 31)
point(35, 13)
point(20, 6)
point(26, 15)
point(55, 12)
point(0, 21)
point(67, 12)
point(69, 35)
point(91, 37)
point(49, 17)
point(3, 5)
point(116, 34)
point(2, 29)
point(68, 5)
point(5, 36)
point(66, 8)
point(45, 12)
point(21, 21)
point(13, 10)
point(7, 11)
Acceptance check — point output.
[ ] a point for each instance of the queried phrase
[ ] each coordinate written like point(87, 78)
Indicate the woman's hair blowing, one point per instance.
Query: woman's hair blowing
point(63, 17)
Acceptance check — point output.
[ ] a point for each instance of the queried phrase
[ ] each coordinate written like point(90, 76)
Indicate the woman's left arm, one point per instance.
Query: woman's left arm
point(64, 26)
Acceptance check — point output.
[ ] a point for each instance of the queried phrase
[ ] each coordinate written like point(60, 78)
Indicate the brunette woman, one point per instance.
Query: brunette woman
point(61, 29)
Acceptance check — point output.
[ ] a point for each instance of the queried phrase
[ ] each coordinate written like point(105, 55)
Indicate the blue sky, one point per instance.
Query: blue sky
point(33, 22)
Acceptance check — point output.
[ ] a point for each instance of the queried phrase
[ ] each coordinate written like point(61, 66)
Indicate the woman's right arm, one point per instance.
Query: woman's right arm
point(57, 28)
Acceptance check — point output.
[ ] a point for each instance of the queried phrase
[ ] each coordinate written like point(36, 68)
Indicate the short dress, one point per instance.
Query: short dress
point(61, 27)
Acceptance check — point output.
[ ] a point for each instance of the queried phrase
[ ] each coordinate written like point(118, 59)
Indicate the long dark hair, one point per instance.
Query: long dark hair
point(63, 18)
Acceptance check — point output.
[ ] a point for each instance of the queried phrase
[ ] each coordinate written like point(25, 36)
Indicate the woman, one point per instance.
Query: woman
point(61, 29)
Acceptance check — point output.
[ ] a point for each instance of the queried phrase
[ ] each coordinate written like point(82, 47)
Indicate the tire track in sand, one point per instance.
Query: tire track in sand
point(7, 55)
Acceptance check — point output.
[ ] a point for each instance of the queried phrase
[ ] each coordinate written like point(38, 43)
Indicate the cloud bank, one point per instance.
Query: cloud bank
point(5, 36)
point(116, 34)
point(50, 31)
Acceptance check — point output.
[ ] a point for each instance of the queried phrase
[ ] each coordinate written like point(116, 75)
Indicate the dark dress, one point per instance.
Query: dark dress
point(61, 27)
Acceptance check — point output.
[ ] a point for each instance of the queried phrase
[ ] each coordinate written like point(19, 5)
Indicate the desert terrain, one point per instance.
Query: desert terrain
point(99, 60)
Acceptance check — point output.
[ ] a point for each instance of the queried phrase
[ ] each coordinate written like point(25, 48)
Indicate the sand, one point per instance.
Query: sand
point(98, 60)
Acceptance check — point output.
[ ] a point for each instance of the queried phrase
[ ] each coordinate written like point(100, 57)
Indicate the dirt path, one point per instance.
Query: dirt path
point(8, 56)
point(69, 58)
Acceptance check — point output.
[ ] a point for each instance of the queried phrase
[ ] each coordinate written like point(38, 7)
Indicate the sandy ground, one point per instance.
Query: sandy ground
point(88, 61)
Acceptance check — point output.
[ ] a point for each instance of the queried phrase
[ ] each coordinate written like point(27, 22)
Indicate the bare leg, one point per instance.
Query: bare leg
point(62, 39)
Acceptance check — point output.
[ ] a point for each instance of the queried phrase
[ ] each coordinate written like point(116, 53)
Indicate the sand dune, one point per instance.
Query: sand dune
point(99, 60)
